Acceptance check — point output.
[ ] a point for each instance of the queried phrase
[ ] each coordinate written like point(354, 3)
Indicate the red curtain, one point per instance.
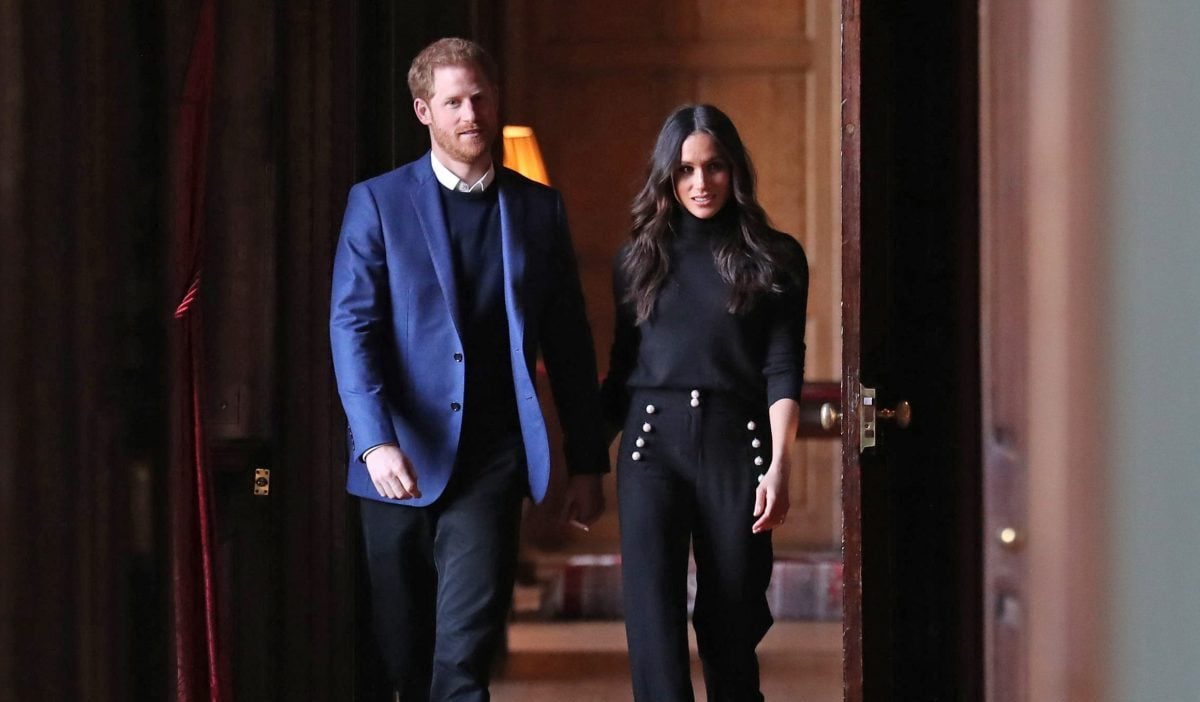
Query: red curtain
point(200, 658)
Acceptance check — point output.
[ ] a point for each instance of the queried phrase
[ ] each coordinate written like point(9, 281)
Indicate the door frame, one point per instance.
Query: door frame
point(1043, 72)
point(852, 561)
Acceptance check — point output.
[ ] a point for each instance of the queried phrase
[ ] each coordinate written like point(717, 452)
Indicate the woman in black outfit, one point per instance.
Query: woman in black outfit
point(704, 378)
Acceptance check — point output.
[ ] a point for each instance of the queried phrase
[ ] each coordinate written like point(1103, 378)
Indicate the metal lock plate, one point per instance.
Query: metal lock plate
point(866, 419)
point(262, 481)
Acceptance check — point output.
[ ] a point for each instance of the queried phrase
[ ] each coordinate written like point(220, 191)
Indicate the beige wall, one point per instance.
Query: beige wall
point(596, 80)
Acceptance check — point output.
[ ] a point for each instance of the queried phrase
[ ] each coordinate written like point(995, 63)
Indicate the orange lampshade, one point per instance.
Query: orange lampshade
point(521, 154)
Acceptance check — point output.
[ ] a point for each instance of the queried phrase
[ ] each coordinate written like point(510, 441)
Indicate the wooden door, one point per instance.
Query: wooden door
point(910, 333)
point(852, 616)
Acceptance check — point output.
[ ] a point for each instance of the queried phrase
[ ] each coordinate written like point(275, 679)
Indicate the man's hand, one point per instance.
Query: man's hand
point(392, 473)
point(584, 500)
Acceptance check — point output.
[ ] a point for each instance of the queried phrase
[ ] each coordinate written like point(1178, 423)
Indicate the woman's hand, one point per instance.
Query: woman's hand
point(771, 501)
point(771, 498)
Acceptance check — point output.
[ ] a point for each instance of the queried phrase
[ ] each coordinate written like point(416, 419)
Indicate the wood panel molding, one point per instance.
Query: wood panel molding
point(597, 83)
point(772, 56)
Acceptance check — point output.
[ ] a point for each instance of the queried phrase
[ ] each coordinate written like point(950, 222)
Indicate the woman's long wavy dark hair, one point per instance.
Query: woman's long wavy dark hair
point(743, 254)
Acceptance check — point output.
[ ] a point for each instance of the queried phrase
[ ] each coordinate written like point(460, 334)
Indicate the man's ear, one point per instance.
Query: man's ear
point(422, 109)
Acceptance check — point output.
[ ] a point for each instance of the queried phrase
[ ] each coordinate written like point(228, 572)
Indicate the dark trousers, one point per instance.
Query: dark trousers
point(692, 479)
point(442, 579)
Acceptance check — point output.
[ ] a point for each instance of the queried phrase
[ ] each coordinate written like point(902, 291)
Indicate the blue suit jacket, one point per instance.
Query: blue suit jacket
point(396, 333)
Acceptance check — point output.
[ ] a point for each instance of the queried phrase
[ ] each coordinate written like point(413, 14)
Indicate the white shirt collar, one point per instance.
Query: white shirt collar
point(453, 182)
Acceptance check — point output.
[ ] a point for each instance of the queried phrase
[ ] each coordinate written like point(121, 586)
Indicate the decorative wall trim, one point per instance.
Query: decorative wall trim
point(774, 56)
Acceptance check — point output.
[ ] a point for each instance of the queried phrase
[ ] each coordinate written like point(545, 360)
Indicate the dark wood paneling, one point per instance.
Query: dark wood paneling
point(317, 593)
point(88, 95)
point(81, 375)
point(282, 161)
point(314, 99)
point(388, 36)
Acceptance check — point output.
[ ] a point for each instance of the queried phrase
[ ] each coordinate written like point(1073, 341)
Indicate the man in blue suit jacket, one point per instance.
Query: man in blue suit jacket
point(451, 275)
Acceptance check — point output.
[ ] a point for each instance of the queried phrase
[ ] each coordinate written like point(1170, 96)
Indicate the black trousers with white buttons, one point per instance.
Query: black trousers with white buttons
point(687, 471)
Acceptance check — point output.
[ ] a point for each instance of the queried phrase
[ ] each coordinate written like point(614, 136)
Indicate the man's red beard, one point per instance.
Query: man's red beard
point(464, 151)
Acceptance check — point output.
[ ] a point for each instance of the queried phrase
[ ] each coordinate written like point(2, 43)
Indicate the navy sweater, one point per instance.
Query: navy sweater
point(490, 417)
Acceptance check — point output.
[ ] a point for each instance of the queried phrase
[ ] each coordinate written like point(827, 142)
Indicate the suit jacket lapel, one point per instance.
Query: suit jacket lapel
point(428, 204)
point(512, 212)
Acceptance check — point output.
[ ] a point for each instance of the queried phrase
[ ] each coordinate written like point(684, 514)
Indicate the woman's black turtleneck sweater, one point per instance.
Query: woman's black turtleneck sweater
point(692, 341)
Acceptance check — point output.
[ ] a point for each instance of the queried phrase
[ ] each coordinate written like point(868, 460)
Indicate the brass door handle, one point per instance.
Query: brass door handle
point(831, 418)
point(869, 414)
point(901, 415)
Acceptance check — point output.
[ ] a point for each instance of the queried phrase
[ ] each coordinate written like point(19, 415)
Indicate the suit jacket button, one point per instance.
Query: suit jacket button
point(458, 357)
point(454, 407)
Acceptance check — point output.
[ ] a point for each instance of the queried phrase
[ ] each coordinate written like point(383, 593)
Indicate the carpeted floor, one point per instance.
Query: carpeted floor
point(586, 662)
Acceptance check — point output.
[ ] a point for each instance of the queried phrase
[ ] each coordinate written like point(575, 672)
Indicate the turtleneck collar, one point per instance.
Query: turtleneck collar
point(690, 226)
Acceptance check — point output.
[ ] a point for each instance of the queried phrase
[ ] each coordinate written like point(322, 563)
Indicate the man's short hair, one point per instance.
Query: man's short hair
point(451, 51)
